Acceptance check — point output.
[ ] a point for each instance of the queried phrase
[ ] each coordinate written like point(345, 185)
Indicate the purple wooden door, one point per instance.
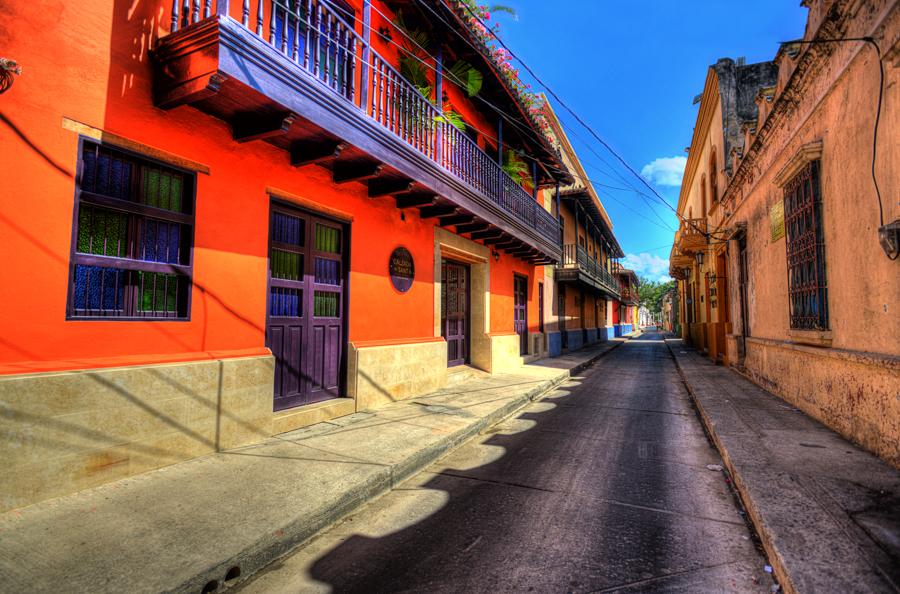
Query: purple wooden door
point(304, 327)
point(454, 311)
point(520, 311)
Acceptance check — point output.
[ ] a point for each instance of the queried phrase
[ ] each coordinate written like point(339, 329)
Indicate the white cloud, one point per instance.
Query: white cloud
point(648, 266)
point(665, 171)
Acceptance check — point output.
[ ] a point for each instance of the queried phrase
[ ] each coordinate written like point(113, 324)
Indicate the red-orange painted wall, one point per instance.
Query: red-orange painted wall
point(90, 64)
point(106, 85)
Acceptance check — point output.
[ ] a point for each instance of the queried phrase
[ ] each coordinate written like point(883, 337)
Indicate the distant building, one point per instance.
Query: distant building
point(585, 286)
point(625, 309)
point(784, 259)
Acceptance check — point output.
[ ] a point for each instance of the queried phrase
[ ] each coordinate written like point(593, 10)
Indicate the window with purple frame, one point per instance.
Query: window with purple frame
point(131, 250)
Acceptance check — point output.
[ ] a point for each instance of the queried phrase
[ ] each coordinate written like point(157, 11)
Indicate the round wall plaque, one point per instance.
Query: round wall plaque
point(402, 269)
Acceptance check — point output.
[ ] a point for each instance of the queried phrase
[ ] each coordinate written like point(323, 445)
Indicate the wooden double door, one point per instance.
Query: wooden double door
point(305, 322)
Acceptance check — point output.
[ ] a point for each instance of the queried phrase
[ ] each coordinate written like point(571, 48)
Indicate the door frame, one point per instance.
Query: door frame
point(523, 339)
point(346, 230)
point(468, 325)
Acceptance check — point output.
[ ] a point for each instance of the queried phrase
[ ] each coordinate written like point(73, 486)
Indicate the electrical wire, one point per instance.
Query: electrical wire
point(871, 41)
point(514, 122)
point(448, 74)
point(561, 102)
point(656, 194)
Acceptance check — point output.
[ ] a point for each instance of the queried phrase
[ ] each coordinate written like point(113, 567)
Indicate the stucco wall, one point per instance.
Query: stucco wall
point(851, 382)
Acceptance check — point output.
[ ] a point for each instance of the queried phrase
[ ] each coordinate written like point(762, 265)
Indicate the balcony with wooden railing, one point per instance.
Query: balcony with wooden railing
point(628, 294)
point(578, 265)
point(303, 78)
point(692, 236)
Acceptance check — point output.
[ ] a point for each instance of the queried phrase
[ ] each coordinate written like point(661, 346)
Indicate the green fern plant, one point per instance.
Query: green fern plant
point(515, 166)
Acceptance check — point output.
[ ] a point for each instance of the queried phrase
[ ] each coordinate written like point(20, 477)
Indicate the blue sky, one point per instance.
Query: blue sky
point(631, 70)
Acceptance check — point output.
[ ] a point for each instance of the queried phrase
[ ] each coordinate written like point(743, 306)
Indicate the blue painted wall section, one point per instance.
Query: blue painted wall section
point(610, 332)
point(575, 339)
point(591, 335)
point(554, 343)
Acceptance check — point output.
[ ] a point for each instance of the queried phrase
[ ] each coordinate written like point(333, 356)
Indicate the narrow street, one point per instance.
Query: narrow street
point(603, 486)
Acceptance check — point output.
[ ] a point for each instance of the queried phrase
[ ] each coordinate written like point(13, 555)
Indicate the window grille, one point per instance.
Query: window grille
point(131, 252)
point(805, 245)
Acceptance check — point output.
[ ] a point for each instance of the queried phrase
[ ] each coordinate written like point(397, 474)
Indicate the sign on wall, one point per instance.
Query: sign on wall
point(401, 269)
point(776, 220)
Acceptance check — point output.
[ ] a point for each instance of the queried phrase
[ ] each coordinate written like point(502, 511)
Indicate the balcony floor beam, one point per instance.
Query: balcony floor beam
point(389, 187)
point(457, 219)
point(471, 227)
point(255, 126)
point(356, 172)
point(432, 212)
point(316, 153)
point(415, 200)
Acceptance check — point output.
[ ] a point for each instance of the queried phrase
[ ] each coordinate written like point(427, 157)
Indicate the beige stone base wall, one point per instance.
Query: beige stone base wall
point(537, 345)
point(856, 394)
point(64, 432)
point(496, 352)
point(382, 374)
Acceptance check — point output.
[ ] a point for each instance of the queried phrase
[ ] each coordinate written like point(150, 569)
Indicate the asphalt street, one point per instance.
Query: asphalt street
point(602, 486)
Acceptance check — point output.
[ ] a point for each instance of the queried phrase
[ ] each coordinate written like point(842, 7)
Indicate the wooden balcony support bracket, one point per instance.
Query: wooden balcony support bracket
point(389, 187)
point(415, 200)
point(523, 251)
point(509, 244)
point(471, 227)
point(316, 153)
point(345, 172)
point(457, 219)
point(496, 241)
point(488, 234)
point(259, 126)
point(431, 212)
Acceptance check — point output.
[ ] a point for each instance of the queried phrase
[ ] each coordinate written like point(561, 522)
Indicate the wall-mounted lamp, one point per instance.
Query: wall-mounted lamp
point(699, 258)
point(495, 255)
point(8, 68)
point(889, 237)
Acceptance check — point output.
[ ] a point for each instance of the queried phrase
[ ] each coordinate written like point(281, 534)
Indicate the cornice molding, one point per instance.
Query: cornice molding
point(805, 154)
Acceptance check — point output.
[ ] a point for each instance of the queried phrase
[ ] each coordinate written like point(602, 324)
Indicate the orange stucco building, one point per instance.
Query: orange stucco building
point(787, 257)
point(221, 224)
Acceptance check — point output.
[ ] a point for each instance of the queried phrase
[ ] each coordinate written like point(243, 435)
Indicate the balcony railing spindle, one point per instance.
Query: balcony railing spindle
point(328, 51)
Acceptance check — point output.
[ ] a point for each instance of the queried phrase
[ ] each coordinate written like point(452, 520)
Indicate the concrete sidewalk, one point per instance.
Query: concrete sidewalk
point(828, 513)
point(213, 521)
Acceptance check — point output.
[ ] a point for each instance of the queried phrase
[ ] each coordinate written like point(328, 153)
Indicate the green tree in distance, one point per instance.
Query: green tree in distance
point(650, 293)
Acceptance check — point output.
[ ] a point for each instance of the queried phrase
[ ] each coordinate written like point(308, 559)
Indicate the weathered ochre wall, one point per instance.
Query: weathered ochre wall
point(851, 385)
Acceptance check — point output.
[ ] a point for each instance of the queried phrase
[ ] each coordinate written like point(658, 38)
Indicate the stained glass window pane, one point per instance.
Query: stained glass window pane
point(160, 241)
point(157, 292)
point(286, 302)
point(328, 239)
point(286, 265)
point(325, 304)
point(101, 231)
point(100, 290)
point(162, 189)
point(328, 272)
point(288, 229)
